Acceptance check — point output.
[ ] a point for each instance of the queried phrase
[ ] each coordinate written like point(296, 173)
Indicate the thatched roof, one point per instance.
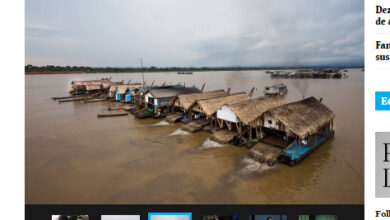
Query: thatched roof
point(210, 106)
point(187, 100)
point(90, 82)
point(122, 88)
point(92, 87)
point(249, 110)
point(304, 117)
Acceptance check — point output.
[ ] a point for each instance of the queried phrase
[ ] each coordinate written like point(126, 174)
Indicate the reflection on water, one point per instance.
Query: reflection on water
point(74, 157)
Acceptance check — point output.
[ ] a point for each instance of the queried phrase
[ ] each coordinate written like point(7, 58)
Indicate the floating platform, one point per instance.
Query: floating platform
point(223, 136)
point(174, 118)
point(95, 100)
point(195, 126)
point(192, 127)
point(112, 114)
point(265, 153)
point(71, 100)
point(117, 108)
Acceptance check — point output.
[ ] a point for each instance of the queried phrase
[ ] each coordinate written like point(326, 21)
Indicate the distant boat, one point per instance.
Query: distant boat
point(184, 72)
point(280, 89)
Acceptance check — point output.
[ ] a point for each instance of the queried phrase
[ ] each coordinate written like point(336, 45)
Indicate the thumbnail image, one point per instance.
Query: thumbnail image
point(220, 217)
point(194, 102)
point(120, 217)
point(169, 216)
point(317, 217)
point(69, 217)
point(268, 217)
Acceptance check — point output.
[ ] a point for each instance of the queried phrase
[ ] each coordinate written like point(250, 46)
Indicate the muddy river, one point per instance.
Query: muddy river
point(73, 157)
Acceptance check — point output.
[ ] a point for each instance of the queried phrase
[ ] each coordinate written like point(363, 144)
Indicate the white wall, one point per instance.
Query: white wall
point(226, 113)
point(147, 95)
point(267, 124)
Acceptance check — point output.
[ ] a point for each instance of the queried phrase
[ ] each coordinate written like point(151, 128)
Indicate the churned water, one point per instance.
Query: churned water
point(73, 157)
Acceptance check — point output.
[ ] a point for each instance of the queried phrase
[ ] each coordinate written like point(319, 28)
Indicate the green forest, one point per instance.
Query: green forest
point(86, 69)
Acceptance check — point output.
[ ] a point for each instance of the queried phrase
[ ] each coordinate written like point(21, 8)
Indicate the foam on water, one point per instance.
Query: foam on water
point(178, 132)
point(161, 123)
point(252, 166)
point(207, 144)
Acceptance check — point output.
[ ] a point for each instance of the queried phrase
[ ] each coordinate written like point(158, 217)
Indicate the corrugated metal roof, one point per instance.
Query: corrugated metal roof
point(171, 92)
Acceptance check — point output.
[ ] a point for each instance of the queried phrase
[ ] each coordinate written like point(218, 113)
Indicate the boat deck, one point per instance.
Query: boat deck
point(174, 118)
point(195, 126)
point(223, 136)
point(265, 153)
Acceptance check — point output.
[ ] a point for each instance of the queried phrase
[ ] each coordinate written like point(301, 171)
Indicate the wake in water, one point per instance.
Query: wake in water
point(247, 168)
point(178, 132)
point(252, 166)
point(161, 123)
point(209, 144)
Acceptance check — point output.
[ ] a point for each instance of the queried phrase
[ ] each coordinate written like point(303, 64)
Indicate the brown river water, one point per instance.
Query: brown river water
point(73, 157)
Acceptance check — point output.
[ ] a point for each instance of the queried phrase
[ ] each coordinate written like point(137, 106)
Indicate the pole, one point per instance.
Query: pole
point(142, 71)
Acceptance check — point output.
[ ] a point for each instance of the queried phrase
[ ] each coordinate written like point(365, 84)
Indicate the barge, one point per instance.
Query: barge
point(280, 89)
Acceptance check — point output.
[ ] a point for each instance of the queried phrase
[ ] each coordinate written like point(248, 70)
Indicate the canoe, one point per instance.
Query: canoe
point(112, 114)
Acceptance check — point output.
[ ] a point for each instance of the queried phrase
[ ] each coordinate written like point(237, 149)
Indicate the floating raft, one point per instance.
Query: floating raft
point(195, 126)
point(265, 153)
point(112, 114)
point(71, 100)
point(117, 108)
point(223, 136)
point(95, 100)
point(173, 118)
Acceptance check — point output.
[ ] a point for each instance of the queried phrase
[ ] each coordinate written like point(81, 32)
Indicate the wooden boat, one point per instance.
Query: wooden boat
point(295, 154)
point(112, 114)
point(145, 113)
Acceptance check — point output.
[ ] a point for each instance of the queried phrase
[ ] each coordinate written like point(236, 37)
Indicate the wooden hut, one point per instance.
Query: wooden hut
point(88, 86)
point(302, 126)
point(160, 99)
point(208, 107)
point(183, 103)
point(247, 116)
point(123, 92)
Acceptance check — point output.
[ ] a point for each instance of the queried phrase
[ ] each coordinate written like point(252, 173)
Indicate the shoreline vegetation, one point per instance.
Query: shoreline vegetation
point(51, 69)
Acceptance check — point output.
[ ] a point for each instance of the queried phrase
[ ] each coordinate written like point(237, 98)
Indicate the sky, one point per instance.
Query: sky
point(117, 33)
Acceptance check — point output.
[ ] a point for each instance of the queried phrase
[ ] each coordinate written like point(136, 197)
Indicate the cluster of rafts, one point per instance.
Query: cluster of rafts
point(273, 130)
point(311, 74)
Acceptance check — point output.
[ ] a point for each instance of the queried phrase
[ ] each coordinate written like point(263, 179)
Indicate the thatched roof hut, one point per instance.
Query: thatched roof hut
point(250, 111)
point(187, 100)
point(121, 89)
point(92, 87)
point(210, 106)
point(90, 82)
point(303, 118)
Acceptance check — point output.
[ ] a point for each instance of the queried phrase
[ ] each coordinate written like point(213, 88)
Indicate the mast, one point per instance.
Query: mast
point(142, 71)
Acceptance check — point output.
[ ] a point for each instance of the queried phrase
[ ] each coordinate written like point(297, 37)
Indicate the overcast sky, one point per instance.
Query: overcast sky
point(194, 33)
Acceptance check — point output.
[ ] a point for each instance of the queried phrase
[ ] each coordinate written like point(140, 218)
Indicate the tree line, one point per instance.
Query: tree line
point(52, 68)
